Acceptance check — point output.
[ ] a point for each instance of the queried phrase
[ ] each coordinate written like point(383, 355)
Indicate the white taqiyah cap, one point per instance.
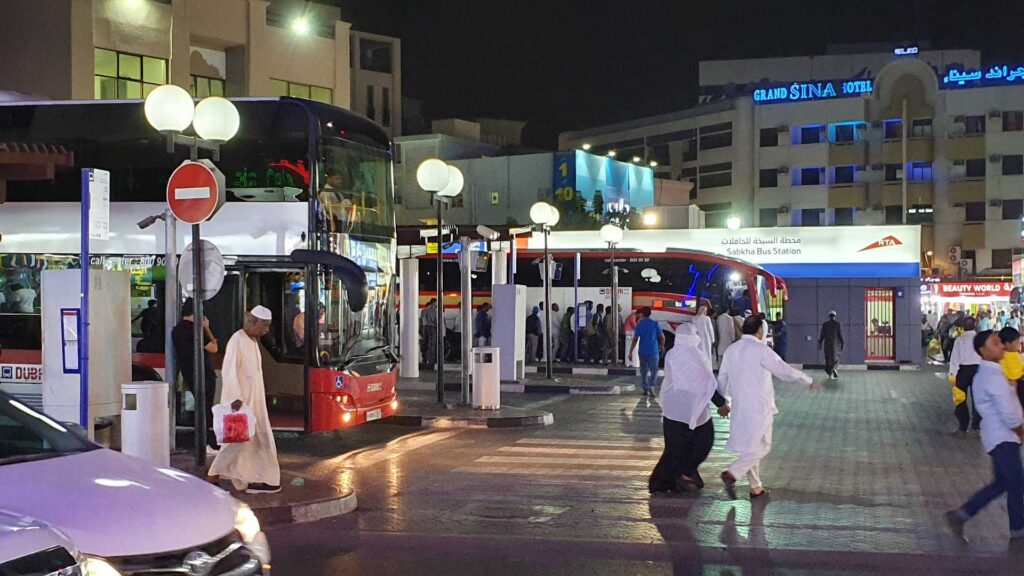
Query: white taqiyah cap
point(832, 313)
point(261, 312)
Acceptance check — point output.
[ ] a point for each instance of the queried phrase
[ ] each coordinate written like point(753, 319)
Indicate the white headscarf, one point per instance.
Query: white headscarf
point(689, 381)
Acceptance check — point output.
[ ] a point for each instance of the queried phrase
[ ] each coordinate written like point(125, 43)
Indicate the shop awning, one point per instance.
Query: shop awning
point(23, 161)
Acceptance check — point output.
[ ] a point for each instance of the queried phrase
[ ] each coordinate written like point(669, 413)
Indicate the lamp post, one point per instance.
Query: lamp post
point(612, 234)
point(444, 182)
point(170, 110)
point(546, 216)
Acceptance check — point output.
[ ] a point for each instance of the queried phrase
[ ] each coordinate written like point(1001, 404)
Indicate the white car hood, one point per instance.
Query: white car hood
point(110, 504)
point(21, 536)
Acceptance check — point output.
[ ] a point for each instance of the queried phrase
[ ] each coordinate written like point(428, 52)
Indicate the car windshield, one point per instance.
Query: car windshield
point(27, 435)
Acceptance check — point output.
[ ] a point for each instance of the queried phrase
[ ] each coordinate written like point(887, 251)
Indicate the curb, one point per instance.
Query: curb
point(542, 419)
point(864, 367)
point(301, 512)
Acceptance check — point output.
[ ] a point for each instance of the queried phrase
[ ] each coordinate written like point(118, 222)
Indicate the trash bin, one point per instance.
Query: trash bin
point(145, 422)
point(486, 378)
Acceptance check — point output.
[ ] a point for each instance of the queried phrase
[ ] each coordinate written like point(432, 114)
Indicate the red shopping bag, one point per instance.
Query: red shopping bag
point(236, 428)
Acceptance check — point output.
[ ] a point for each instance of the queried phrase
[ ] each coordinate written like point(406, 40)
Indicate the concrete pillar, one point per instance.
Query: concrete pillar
point(181, 41)
point(83, 63)
point(409, 321)
point(342, 67)
point(257, 76)
point(499, 267)
point(743, 173)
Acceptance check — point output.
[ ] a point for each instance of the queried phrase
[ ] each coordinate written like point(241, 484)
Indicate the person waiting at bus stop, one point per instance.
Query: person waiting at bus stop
point(428, 332)
point(251, 466)
point(182, 337)
point(482, 325)
point(533, 335)
point(652, 341)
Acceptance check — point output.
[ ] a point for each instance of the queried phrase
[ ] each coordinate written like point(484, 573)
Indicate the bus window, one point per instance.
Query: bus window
point(355, 190)
point(276, 290)
point(347, 335)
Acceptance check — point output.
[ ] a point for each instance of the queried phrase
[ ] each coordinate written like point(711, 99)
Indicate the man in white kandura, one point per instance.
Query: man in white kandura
point(746, 378)
point(705, 330)
point(251, 466)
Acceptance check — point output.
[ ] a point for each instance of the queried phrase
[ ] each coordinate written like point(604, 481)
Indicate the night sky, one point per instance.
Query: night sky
point(569, 64)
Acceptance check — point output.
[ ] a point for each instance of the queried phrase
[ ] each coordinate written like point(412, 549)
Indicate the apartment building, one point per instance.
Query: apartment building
point(859, 136)
point(122, 49)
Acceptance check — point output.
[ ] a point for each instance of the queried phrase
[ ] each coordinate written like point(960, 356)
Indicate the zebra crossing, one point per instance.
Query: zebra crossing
point(618, 441)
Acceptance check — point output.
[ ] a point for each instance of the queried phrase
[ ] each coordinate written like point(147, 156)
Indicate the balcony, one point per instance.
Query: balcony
point(963, 146)
point(847, 196)
point(963, 191)
point(918, 150)
point(917, 193)
point(848, 154)
point(974, 236)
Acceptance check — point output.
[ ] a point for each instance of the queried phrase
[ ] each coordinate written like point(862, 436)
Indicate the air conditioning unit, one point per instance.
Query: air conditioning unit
point(783, 129)
point(995, 203)
point(876, 124)
point(783, 170)
point(995, 158)
point(877, 166)
point(995, 114)
point(958, 119)
point(783, 209)
point(958, 205)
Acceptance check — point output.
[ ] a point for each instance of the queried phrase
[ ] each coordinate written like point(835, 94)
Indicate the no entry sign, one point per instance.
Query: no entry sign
point(195, 191)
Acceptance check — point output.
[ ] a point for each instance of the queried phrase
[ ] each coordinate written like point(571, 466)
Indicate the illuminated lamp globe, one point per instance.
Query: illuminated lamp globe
point(169, 108)
point(650, 218)
point(541, 213)
point(611, 233)
point(432, 175)
point(733, 223)
point(555, 217)
point(216, 119)
point(455, 183)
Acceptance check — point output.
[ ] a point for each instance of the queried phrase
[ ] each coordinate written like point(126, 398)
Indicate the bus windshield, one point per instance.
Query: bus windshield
point(355, 194)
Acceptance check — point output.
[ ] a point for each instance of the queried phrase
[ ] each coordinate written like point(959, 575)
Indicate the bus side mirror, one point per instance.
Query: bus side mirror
point(350, 273)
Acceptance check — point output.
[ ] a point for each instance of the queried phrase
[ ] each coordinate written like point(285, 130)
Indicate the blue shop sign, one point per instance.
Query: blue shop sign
point(801, 91)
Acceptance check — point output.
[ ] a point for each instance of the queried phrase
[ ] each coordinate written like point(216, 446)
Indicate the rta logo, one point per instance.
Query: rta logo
point(883, 243)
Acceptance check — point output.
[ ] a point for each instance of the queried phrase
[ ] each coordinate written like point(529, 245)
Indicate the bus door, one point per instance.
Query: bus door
point(282, 290)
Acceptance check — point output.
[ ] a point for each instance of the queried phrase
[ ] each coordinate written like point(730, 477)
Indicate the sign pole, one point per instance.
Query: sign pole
point(198, 343)
point(83, 327)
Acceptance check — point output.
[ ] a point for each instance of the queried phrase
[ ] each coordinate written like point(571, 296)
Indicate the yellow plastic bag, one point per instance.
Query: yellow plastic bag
point(959, 396)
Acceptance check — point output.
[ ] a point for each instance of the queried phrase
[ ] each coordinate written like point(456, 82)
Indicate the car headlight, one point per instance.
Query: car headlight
point(98, 567)
point(248, 527)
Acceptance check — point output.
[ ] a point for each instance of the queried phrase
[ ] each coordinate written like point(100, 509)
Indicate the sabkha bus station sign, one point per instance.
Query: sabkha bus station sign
point(995, 290)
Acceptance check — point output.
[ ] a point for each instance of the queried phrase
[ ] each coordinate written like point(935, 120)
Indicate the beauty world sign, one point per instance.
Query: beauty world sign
point(803, 91)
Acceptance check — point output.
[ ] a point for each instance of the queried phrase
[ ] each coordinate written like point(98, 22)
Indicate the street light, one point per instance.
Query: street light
point(612, 234)
point(300, 25)
point(653, 164)
point(444, 182)
point(611, 153)
point(650, 218)
point(733, 223)
point(170, 110)
point(545, 215)
point(586, 146)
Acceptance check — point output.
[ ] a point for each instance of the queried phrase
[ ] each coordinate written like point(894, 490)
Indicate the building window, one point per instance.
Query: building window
point(975, 168)
point(715, 175)
point(715, 136)
point(921, 128)
point(768, 217)
point(660, 153)
point(920, 171)
point(374, 55)
point(296, 90)
point(974, 212)
point(769, 178)
point(371, 112)
point(974, 124)
point(203, 86)
point(811, 216)
point(1002, 258)
point(1013, 209)
point(893, 172)
point(120, 75)
point(893, 129)
point(920, 214)
point(715, 219)
point(808, 135)
point(843, 174)
point(385, 104)
point(689, 150)
point(844, 216)
point(894, 214)
point(769, 137)
point(846, 133)
point(807, 176)
point(1013, 121)
point(1013, 164)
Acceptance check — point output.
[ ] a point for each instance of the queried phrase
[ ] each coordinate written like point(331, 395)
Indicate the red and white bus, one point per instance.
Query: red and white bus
point(300, 176)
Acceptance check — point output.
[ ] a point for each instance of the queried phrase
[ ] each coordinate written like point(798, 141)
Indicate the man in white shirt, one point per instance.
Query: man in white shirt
point(726, 332)
point(746, 378)
point(1002, 432)
point(23, 299)
point(963, 365)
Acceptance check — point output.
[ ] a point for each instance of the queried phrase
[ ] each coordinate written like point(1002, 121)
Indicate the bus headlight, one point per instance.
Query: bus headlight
point(394, 404)
point(248, 527)
point(98, 567)
point(346, 417)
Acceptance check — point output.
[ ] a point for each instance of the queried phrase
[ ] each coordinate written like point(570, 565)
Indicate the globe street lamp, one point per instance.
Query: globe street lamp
point(444, 182)
point(170, 110)
point(612, 234)
point(546, 216)
point(733, 223)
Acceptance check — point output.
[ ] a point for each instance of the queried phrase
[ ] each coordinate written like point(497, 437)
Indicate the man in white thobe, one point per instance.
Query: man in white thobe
point(706, 332)
point(746, 378)
point(251, 466)
point(726, 332)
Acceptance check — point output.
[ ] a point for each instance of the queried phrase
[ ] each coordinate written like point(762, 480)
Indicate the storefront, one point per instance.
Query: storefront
point(967, 297)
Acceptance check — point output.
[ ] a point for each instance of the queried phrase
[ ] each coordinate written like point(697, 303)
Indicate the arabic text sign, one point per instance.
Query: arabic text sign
point(800, 91)
point(1000, 290)
point(957, 77)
